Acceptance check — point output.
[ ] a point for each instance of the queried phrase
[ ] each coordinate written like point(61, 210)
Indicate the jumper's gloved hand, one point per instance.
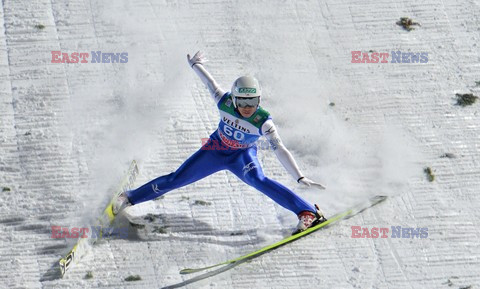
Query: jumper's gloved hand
point(198, 58)
point(308, 182)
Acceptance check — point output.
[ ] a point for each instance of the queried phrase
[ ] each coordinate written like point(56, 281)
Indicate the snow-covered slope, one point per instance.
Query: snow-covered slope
point(69, 130)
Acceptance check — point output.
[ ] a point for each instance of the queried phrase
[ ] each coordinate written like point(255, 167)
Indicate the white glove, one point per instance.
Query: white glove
point(198, 58)
point(308, 182)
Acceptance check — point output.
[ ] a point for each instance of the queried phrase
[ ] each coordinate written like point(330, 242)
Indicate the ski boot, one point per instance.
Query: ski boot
point(307, 219)
point(120, 203)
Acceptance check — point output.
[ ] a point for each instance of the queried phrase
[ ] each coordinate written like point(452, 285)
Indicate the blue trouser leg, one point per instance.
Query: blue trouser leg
point(199, 165)
point(243, 163)
point(247, 167)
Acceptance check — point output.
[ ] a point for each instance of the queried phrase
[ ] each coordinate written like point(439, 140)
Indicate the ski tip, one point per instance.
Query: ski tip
point(187, 271)
point(190, 270)
point(379, 198)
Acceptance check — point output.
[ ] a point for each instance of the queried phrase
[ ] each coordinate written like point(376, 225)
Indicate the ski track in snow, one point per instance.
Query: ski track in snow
point(68, 131)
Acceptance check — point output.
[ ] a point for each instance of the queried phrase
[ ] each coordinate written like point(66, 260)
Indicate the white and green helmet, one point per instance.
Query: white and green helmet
point(246, 91)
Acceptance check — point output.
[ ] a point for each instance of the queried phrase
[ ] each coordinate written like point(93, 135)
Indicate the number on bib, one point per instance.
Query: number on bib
point(237, 135)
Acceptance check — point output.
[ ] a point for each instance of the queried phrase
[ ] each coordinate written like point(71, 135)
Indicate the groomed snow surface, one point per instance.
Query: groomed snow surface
point(69, 130)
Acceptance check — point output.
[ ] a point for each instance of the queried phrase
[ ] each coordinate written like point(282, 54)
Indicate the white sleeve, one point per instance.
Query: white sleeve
point(215, 91)
point(284, 156)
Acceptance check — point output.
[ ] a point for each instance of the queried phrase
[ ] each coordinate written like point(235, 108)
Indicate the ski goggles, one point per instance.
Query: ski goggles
point(247, 101)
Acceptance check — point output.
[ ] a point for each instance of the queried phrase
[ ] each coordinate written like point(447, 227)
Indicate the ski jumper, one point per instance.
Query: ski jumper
point(231, 147)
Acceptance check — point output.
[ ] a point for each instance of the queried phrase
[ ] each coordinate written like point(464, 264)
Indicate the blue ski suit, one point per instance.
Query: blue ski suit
point(232, 147)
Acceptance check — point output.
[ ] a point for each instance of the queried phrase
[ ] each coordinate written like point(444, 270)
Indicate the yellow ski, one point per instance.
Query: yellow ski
point(334, 219)
point(105, 220)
